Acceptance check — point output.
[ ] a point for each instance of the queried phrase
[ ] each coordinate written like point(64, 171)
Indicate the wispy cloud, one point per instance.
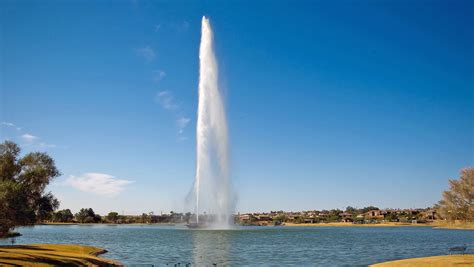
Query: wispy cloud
point(157, 27)
point(182, 122)
point(166, 100)
point(182, 138)
point(29, 138)
point(146, 52)
point(158, 75)
point(9, 124)
point(43, 144)
point(98, 183)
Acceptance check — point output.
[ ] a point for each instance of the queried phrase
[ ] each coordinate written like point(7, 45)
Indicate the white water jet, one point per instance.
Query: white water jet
point(212, 185)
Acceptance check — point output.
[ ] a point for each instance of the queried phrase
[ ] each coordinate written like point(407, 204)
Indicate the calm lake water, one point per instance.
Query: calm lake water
point(325, 246)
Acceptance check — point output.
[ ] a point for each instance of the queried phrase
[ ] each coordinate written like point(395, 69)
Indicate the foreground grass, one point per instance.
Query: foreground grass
point(53, 255)
point(447, 260)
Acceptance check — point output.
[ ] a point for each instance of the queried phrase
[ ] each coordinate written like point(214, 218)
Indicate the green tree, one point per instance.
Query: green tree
point(97, 218)
point(112, 217)
point(391, 217)
point(369, 208)
point(22, 185)
point(82, 215)
point(145, 218)
point(281, 217)
point(351, 210)
point(63, 216)
point(47, 205)
point(334, 216)
point(87, 216)
point(299, 219)
point(458, 201)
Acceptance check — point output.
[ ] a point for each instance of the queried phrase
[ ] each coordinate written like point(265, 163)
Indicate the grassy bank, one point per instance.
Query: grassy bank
point(53, 255)
point(447, 260)
point(454, 225)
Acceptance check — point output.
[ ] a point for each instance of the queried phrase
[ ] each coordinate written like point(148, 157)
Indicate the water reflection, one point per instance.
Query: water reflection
point(211, 247)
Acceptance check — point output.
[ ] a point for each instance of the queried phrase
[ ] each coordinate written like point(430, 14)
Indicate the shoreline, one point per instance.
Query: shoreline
point(334, 224)
point(111, 224)
point(435, 225)
point(342, 224)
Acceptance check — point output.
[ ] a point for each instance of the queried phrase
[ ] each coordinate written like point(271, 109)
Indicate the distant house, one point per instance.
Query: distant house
point(291, 218)
point(264, 219)
point(244, 218)
point(429, 215)
point(374, 214)
point(299, 218)
point(346, 217)
point(323, 214)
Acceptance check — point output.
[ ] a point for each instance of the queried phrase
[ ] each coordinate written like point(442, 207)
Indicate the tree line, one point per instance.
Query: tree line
point(87, 215)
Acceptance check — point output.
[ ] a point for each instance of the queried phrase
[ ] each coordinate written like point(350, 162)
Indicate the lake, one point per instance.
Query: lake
point(325, 246)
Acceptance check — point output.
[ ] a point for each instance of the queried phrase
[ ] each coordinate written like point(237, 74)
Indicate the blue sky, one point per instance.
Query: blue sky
point(357, 103)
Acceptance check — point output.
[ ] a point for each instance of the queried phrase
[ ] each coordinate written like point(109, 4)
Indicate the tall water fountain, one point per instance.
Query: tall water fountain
point(212, 190)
